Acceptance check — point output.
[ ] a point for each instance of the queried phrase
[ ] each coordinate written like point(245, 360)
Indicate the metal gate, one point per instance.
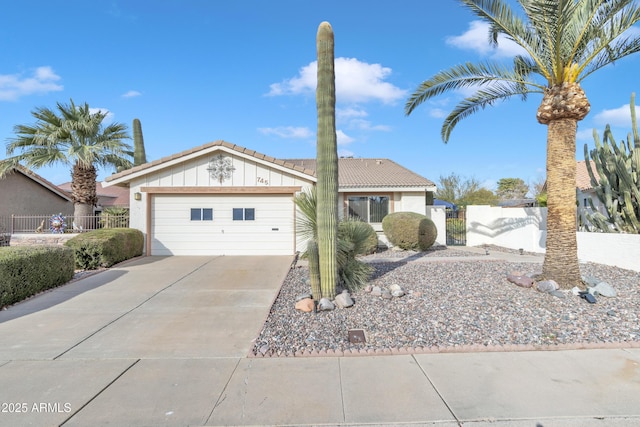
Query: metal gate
point(456, 227)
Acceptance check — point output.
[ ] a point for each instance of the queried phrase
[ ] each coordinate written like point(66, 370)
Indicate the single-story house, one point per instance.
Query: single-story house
point(23, 192)
point(108, 197)
point(223, 199)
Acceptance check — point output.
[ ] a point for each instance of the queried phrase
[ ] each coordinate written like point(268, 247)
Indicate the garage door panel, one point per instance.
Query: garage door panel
point(174, 233)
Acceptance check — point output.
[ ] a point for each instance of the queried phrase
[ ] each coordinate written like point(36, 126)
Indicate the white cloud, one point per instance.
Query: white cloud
point(585, 135)
point(108, 118)
point(42, 80)
point(477, 38)
point(350, 113)
point(288, 132)
point(356, 82)
point(438, 113)
point(343, 138)
point(620, 117)
point(131, 94)
point(367, 125)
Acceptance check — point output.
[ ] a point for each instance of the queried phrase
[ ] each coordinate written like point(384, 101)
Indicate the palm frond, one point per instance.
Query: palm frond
point(306, 223)
point(481, 99)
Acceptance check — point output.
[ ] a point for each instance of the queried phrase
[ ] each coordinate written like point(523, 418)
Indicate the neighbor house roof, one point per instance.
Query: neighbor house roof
point(203, 148)
point(43, 182)
point(583, 180)
point(368, 173)
point(107, 196)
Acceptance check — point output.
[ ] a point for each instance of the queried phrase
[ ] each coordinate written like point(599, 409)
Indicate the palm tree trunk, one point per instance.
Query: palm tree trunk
point(83, 193)
point(561, 258)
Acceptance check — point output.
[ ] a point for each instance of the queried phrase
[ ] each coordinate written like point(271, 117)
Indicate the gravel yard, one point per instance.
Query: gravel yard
point(453, 303)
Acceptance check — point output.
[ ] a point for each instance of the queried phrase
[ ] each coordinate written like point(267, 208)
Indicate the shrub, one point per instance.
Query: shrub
point(103, 248)
point(409, 230)
point(354, 237)
point(114, 218)
point(26, 271)
point(359, 233)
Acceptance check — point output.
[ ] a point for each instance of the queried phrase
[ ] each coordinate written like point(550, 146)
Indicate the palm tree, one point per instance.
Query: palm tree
point(74, 137)
point(564, 41)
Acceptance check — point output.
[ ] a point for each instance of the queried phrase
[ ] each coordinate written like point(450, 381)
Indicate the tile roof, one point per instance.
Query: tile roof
point(583, 181)
point(203, 147)
point(112, 196)
point(361, 173)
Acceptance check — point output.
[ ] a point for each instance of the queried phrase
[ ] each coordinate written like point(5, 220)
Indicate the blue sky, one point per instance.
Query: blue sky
point(195, 71)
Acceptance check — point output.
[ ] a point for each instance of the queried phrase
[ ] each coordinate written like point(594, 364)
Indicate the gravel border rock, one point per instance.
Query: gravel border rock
point(464, 305)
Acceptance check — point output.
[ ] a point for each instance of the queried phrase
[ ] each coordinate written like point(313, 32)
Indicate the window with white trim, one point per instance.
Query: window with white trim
point(201, 214)
point(368, 208)
point(244, 214)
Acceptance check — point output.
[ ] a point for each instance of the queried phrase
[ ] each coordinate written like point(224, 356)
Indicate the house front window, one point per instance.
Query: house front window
point(368, 208)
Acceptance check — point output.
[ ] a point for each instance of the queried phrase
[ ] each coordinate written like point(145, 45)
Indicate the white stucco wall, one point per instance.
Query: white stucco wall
point(438, 215)
point(525, 228)
point(412, 202)
point(517, 228)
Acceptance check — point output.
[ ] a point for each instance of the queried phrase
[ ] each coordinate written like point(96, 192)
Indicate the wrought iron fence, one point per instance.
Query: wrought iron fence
point(60, 224)
point(456, 227)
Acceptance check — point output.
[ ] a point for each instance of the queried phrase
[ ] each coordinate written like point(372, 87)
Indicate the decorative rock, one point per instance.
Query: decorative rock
point(326, 305)
point(303, 296)
point(522, 281)
point(558, 294)
point(604, 289)
point(547, 286)
point(575, 291)
point(264, 349)
point(396, 290)
point(368, 288)
point(344, 300)
point(305, 305)
point(376, 291)
point(386, 294)
point(590, 281)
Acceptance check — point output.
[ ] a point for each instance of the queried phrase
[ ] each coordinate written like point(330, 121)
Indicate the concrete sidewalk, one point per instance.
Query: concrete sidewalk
point(163, 342)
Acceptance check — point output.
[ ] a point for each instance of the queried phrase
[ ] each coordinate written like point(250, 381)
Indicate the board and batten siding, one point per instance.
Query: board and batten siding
point(188, 176)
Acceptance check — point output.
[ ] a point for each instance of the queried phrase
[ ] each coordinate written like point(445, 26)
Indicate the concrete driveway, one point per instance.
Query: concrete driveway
point(165, 315)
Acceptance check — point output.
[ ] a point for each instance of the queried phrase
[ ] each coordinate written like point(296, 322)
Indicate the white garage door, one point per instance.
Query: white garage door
point(222, 225)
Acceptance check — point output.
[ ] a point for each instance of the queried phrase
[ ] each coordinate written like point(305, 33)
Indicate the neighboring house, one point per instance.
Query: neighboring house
point(223, 199)
point(108, 197)
point(584, 189)
point(23, 192)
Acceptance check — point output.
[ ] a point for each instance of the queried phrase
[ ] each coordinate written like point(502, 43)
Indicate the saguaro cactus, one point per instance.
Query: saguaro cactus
point(618, 183)
point(139, 156)
point(327, 161)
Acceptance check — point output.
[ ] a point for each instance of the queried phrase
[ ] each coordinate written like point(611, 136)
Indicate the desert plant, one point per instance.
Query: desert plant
point(327, 160)
point(409, 230)
point(353, 238)
point(618, 182)
point(564, 42)
point(139, 155)
point(75, 137)
point(113, 217)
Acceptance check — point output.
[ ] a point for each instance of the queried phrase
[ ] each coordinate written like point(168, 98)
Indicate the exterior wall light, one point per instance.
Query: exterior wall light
point(137, 196)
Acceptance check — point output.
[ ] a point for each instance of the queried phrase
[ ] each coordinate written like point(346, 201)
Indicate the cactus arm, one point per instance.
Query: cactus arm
point(139, 155)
